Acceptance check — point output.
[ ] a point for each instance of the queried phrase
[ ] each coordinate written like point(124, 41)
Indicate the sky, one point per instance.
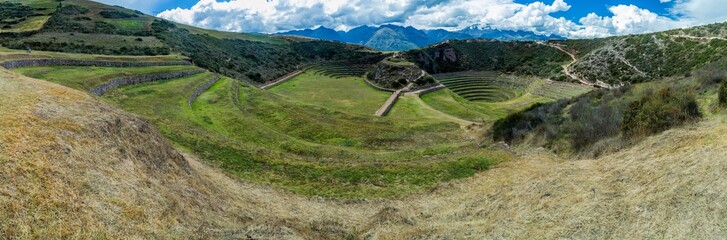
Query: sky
point(569, 18)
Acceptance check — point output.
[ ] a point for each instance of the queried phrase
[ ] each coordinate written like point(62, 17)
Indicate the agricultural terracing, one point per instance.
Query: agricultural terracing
point(323, 141)
point(492, 87)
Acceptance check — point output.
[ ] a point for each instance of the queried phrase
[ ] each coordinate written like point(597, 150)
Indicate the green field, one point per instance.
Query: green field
point(86, 78)
point(9, 54)
point(299, 142)
point(346, 94)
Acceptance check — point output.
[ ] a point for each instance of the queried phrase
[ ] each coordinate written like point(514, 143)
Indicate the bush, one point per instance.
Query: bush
point(658, 112)
point(591, 123)
point(117, 15)
point(14, 11)
point(72, 10)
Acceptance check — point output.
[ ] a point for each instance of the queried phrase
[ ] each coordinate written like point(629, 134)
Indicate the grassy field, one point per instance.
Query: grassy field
point(326, 148)
point(346, 94)
point(11, 54)
point(86, 78)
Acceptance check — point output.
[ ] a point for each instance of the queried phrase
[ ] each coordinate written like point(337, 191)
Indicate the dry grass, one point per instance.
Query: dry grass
point(670, 186)
point(73, 167)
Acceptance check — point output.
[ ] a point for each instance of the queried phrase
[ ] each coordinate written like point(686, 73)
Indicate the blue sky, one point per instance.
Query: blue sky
point(570, 18)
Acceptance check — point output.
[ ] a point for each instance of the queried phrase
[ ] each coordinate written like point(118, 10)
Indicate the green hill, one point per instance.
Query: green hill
point(82, 26)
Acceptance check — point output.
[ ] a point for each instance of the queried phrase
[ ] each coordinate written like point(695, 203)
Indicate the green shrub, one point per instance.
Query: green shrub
point(72, 10)
point(590, 123)
point(10, 10)
point(116, 14)
point(658, 112)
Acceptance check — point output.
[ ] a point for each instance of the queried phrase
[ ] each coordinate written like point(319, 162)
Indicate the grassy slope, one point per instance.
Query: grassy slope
point(669, 186)
point(269, 139)
point(86, 78)
point(10, 54)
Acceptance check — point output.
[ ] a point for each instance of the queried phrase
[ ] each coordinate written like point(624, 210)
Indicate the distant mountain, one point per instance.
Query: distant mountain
point(319, 33)
point(488, 32)
point(397, 38)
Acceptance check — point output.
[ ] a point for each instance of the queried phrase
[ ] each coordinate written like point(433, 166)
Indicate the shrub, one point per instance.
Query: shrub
point(10, 10)
point(116, 14)
point(72, 10)
point(590, 124)
point(658, 112)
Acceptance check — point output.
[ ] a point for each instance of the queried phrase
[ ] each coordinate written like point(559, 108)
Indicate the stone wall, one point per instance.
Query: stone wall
point(281, 79)
point(201, 89)
point(388, 104)
point(82, 63)
point(122, 81)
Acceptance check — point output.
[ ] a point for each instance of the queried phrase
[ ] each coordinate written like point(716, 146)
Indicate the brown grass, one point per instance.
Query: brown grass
point(74, 167)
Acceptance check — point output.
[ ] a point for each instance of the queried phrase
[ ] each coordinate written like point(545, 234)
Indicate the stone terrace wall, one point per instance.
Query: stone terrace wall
point(282, 79)
point(122, 81)
point(201, 89)
point(431, 89)
point(82, 63)
point(388, 104)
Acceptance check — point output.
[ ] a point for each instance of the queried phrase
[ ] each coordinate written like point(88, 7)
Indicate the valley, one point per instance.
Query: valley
point(116, 124)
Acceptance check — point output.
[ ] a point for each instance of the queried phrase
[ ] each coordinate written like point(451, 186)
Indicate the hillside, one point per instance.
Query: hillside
point(119, 125)
point(83, 26)
point(98, 184)
point(645, 57)
point(526, 58)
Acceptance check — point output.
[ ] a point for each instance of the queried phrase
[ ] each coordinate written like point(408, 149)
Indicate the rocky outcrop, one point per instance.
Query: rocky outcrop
point(123, 81)
point(201, 89)
point(82, 63)
point(399, 74)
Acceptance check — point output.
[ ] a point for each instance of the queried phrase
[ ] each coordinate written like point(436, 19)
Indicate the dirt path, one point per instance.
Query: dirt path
point(566, 68)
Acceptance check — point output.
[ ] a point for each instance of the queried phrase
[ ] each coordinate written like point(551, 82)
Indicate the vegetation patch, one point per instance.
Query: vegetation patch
point(114, 14)
point(655, 113)
point(523, 58)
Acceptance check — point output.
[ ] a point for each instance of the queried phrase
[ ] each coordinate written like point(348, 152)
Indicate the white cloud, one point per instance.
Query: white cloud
point(282, 15)
point(701, 11)
point(626, 19)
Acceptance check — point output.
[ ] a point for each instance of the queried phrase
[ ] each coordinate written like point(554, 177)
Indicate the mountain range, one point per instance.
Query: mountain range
point(398, 38)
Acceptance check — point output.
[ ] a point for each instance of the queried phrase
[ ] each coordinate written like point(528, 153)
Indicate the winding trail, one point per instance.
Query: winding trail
point(567, 71)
